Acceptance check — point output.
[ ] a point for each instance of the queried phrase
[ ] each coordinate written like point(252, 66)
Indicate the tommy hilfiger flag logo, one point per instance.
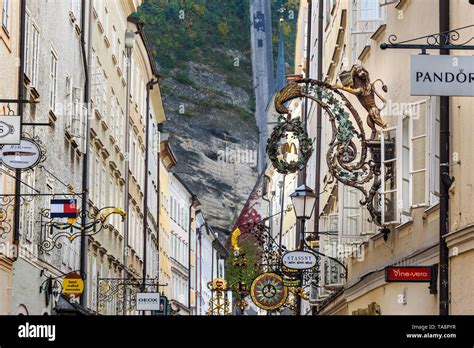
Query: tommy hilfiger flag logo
point(63, 208)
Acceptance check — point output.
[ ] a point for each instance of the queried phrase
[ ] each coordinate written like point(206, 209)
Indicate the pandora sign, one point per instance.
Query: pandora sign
point(442, 75)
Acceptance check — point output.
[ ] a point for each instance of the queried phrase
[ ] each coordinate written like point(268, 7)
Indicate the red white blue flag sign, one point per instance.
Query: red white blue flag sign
point(63, 208)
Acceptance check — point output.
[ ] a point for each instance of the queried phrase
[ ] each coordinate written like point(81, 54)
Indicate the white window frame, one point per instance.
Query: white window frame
point(427, 145)
point(34, 42)
point(404, 163)
point(385, 161)
point(434, 155)
point(361, 10)
point(6, 15)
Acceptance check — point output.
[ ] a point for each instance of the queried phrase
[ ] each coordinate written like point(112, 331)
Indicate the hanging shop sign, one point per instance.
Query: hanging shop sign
point(442, 75)
point(415, 274)
point(73, 285)
point(268, 291)
point(290, 272)
point(24, 156)
point(10, 130)
point(291, 283)
point(164, 310)
point(63, 208)
point(281, 146)
point(148, 301)
point(299, 260)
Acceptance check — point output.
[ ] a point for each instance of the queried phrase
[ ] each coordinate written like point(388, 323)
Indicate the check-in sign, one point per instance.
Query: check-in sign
point(10, 130)
point(416, 274)
point(442, 75)
point(148, 301)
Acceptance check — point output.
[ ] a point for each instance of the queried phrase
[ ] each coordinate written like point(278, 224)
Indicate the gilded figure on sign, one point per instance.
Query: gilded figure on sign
point(357, 82)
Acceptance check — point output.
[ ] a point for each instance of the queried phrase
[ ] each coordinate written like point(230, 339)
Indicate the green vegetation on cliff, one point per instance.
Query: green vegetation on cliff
point(212, 32)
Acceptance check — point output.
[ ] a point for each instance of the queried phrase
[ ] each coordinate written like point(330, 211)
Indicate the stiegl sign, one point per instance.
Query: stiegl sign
point(442, 75)
point(299, 260)
point(148, 301)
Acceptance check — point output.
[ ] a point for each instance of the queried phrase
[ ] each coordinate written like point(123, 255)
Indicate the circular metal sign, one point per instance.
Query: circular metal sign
point(24, 156)
point(73, 285)
point(299, 260)
point(268, 291)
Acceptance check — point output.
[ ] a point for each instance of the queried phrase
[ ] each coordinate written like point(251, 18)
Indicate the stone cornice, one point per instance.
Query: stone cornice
point(463, 239)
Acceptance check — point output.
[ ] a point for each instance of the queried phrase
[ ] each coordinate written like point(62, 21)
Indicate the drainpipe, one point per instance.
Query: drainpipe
point(127, 177)
point(193, 201)
point(17, 204)
point(319, 119)
point(149, 87)
point(85, 157)
point(158, 171)
point(446, 181)
point(302, 174)
point(282, 194)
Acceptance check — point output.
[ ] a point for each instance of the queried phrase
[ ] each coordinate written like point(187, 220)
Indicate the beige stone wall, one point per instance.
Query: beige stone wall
point(9, 58)
point(410, 242)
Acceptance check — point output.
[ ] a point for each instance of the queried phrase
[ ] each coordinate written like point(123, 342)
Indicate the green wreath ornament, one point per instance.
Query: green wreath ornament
point(305, 145)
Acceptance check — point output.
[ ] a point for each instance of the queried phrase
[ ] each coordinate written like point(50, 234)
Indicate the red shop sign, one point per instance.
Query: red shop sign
point(408, 274)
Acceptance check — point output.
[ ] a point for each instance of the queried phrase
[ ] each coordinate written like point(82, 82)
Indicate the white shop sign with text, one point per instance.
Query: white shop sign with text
point(148, 301)
point(10, 130)
point(442, 75)
point(299, 260)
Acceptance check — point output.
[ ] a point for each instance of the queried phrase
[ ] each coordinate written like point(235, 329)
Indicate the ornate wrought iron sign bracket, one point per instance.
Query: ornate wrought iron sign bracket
point(353, 158)
point(56, 230)
point(438, 41)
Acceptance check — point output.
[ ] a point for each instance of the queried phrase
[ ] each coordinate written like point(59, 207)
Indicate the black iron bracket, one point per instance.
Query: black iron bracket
point(18, 101)
point(445, 40)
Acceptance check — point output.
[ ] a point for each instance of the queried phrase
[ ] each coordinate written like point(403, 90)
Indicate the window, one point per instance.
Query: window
point(389, 187)
point(419, 151)
point(132, 153)
point(351, 211)
point(96, 181)
point(366, 17)
point(111, 194)
point(434, 151)
point(32, 39)
point(370, 10)
point(327, 6)
point(75, 7)
point(112, 120)
point(6, 15)
point(106, 22)
point(103, 186)
point(114, 44)
point(53, 81)
point(406, 201)
point(27, 43)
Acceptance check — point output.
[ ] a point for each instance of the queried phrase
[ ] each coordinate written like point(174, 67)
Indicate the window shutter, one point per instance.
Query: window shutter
point(419, 153)
point(434, 151)
point(389, 168)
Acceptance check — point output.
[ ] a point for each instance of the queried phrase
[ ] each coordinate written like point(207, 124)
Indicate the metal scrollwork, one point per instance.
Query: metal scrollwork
point(353, 158)
point(57, 230)
point(121, 292)
point(446, 39)
point(7, 207)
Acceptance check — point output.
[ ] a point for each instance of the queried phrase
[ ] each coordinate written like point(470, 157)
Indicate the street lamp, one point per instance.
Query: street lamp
point(303, 200)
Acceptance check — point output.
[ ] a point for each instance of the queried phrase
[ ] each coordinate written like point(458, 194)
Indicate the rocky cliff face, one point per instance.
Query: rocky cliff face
point(203, 50)
point(214, 137)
